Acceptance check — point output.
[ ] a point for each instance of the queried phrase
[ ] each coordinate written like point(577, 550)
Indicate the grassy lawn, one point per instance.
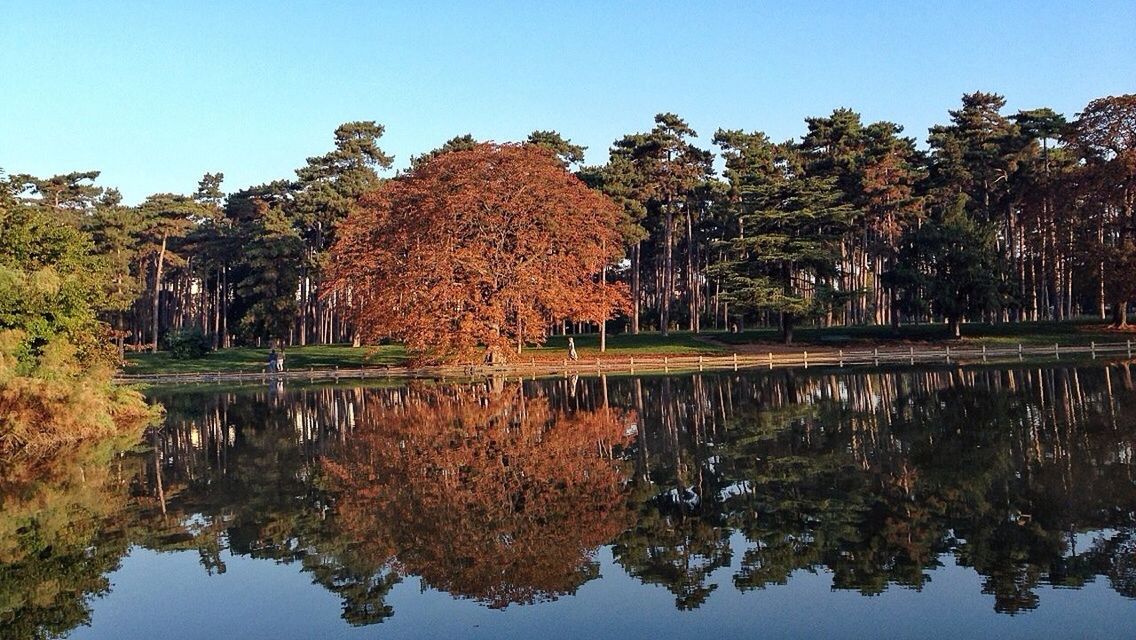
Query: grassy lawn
point(256, 359)
point(1027, 333)
point(627, 345)
point(652, 344)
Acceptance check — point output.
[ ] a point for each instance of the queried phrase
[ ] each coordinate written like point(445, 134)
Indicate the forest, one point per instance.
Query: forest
point(1000, 217)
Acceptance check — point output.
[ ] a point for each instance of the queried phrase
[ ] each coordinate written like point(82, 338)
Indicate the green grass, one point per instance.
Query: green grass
point(1027, 333)
point(256, 359)
point(626, 344)
point(648, 344)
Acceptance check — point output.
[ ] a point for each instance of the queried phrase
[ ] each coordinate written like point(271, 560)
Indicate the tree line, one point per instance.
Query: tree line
point(1003, 217)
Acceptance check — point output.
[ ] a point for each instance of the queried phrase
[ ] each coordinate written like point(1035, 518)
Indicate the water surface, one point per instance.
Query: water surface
point(939, 503)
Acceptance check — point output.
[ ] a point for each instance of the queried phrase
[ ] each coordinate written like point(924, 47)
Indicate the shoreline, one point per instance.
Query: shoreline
point(631, 365)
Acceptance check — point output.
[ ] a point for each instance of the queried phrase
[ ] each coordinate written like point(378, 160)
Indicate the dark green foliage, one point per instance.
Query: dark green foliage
point(568, 153)
point(463, 142)
point(187, 344)
point(329, 184)
point(783, 257)
point(266, 270)
point(949, 268)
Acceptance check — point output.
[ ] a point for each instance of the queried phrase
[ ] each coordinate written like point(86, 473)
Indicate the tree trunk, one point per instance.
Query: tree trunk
point(1120, 314)
point(668, 272)
point(635, 292)
point(159, 259)
point(691, 287)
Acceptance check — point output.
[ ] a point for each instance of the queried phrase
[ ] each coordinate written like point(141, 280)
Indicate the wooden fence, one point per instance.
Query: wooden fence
point(655, 364)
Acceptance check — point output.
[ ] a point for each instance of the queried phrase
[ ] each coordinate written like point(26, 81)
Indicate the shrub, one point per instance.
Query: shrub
point(187, 344)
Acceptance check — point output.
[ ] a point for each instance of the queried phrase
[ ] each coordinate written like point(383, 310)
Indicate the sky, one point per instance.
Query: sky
point(155, 94)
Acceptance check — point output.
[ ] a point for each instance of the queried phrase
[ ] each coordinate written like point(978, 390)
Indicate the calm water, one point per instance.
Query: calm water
point(976, 503)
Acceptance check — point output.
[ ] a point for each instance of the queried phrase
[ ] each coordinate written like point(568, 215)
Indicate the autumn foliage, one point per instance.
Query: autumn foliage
point(484, 247)
point(486, 495)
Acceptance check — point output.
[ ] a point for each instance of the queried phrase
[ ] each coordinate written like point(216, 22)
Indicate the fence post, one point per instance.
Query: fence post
point(1130, 348)
point(948, 354)
point(912, 351)
point(735, 361)
point(1057, 350)
point(700, 362)
point(771, 360)
point(876, 356)
point(984, 353)
point(806, 359)
point(1093, 349)
point(632, 364)
point(1021, 356)
point(666, 364)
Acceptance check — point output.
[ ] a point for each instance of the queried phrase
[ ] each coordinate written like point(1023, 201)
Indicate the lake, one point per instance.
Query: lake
point(933, 503)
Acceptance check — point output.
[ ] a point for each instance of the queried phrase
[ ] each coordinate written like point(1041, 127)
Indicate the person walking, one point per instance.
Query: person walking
point(572, 355)
point(273, 361)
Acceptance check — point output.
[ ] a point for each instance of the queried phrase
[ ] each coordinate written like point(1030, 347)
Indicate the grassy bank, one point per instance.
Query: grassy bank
point(255, 359)
point(621, 346)
point(1073, 332)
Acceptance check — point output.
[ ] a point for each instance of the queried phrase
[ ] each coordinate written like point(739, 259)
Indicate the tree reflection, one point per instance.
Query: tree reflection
point(62, 531)
point(483, 494)
point(502, 492)
point(875, 477)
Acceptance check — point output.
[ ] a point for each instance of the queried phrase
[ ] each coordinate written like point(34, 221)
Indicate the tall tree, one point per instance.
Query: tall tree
point(117, 234)
point(949, 267)
point(266, 269)
point(568, 153)
point(1104, 136)
point(977, 156)
point(464, 142)
point(479, 247)
point(1039, 182)
point(617, 180)
point(165, 216)
point(668, 171)
point(785, 254)
point(68, 194)
point(325, 190)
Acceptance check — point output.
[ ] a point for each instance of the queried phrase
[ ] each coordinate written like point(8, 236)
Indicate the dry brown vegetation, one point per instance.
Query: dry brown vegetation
point(59, 404)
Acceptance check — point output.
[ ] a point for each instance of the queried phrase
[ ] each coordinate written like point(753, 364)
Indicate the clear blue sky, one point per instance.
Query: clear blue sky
point(154, 94)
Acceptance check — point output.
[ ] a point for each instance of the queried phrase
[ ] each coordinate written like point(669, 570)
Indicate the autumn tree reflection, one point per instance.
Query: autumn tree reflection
point(484, 494)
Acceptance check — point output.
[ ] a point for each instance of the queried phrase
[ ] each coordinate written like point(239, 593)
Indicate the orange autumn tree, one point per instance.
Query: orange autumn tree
point(479, 248)
point(484, 494)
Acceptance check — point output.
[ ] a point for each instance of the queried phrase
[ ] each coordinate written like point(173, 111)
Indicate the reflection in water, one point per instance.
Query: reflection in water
point(63, 529)
point(502, 492)
point(493, 496)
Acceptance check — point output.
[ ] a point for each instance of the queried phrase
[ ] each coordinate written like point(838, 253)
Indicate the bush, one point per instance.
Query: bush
point(187, 344)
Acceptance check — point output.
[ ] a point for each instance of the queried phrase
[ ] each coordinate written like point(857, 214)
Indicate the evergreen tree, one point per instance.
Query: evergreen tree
point(948, 267)
point(786, 252)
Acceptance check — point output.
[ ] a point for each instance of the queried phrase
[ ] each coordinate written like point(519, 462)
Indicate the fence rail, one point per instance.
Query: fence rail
point(839, 358)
